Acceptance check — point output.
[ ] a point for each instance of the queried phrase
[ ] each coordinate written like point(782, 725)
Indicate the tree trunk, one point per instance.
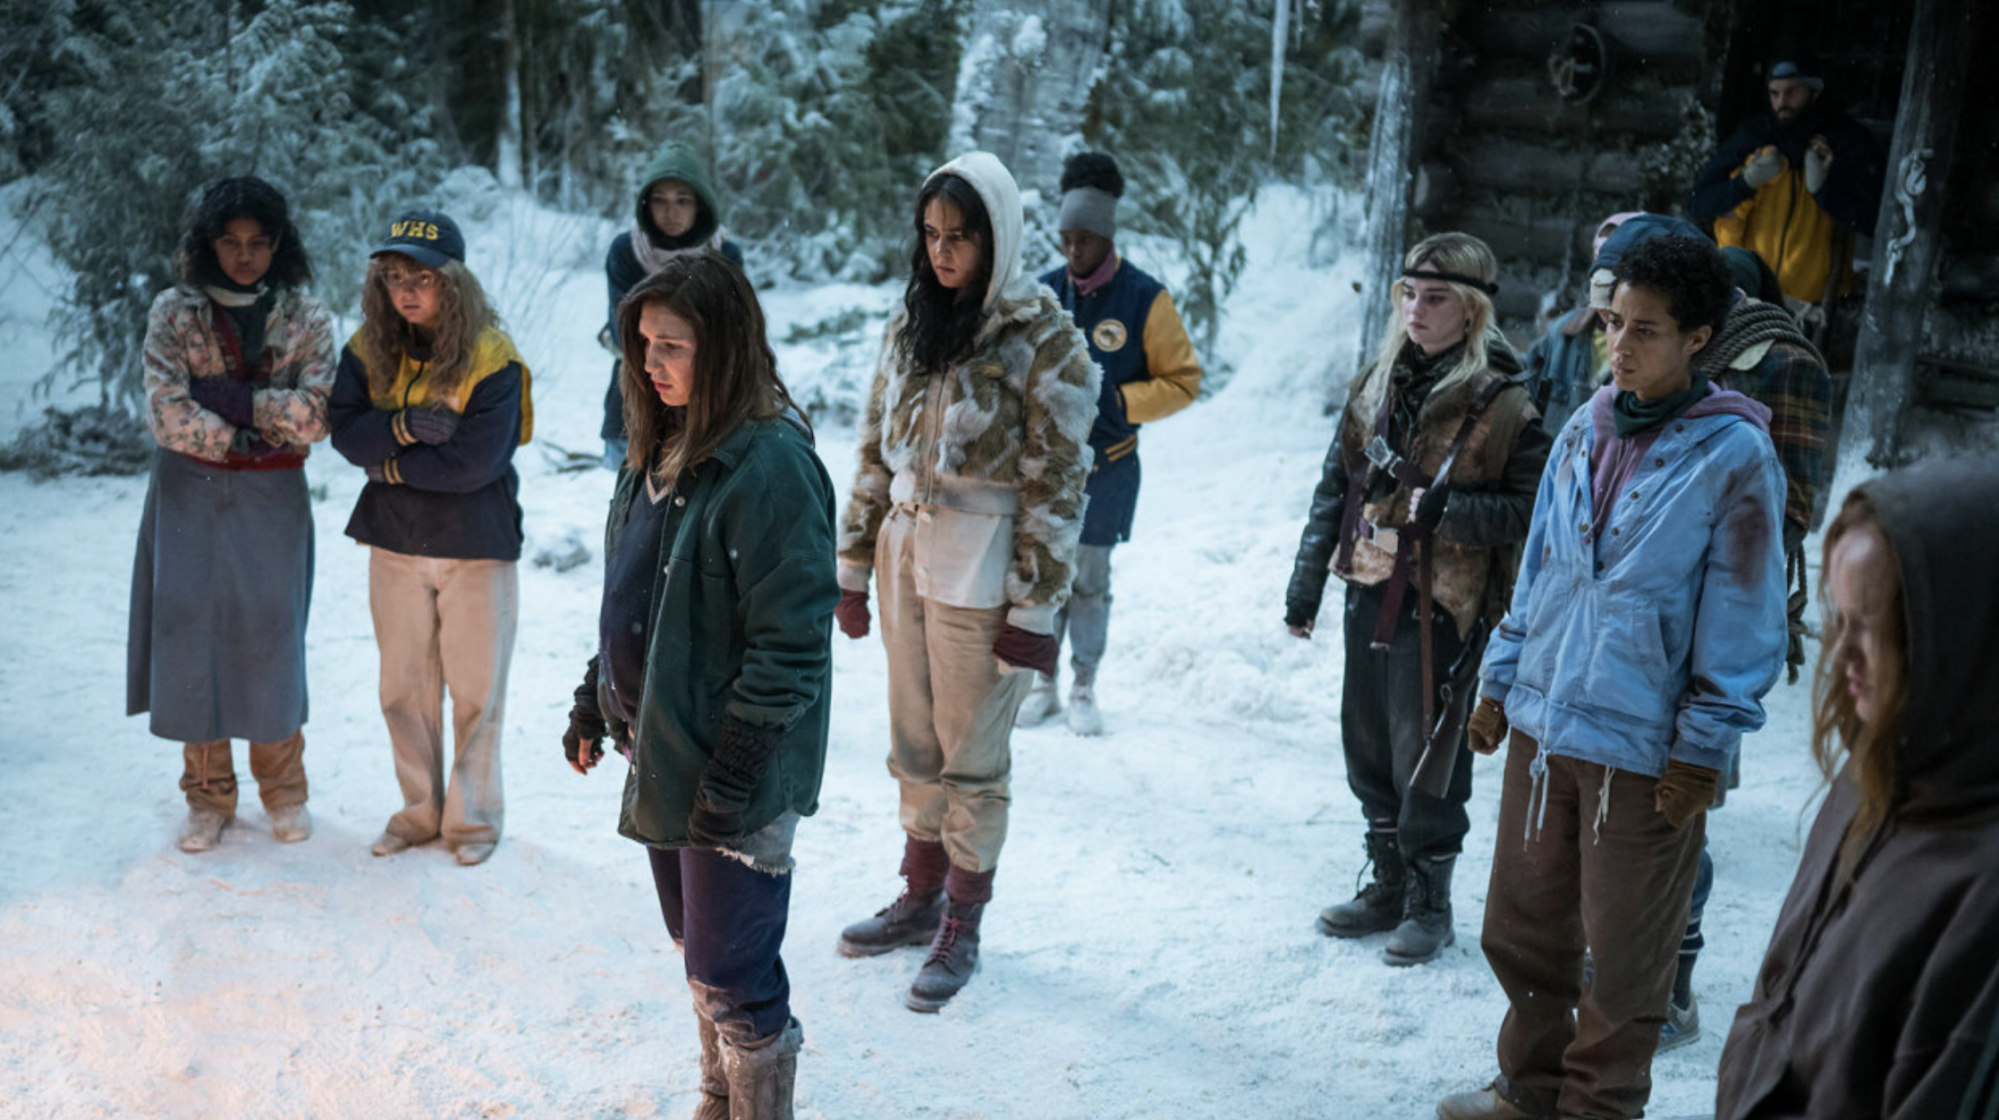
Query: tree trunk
point(1391, 158)
point(507, 154)
point(1902, 284)
point(1023, 82)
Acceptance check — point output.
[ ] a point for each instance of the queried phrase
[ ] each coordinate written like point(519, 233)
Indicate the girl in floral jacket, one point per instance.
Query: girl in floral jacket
point(238, 363)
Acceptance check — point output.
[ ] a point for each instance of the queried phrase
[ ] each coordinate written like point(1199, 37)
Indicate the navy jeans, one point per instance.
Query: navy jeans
point(728, 919)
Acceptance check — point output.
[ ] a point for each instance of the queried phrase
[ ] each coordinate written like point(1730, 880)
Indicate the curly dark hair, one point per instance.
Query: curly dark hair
point(244, 196)
point(942, 322)
point(1092, 169)
point(1689, 271)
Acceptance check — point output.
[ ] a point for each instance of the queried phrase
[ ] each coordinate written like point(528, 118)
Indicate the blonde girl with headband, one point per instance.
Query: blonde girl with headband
point(1426, 491)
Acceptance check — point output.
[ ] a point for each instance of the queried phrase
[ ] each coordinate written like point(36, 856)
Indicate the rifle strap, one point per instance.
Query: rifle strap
point(1423, 614)
point(1398, 578)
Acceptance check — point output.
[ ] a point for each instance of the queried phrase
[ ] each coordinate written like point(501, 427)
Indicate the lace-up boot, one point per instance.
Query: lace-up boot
point(1378, 906)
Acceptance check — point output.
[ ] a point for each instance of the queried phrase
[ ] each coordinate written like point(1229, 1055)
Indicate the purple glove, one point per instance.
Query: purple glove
point(225, 397)
point(852, 613)
point(379, 472)
point(251, 444)
point(1024, 649)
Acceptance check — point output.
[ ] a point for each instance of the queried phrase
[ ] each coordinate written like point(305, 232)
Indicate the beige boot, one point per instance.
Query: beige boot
point(714, 1103)
point(763, 1074)
point(1481, 1104)
point(202, 831)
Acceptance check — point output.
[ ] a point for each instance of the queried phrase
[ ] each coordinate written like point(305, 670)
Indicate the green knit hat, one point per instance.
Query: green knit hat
point(676, 160)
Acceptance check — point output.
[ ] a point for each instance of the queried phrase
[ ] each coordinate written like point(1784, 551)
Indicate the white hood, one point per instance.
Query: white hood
point(1001, 195)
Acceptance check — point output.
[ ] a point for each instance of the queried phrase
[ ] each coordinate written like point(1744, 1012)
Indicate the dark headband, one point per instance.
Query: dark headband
point(1490, 288)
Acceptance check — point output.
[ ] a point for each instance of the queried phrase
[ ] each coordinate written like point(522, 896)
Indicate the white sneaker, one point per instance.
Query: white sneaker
point(1084, 718)
point(388, 844)
point(202, 831)
point(1041, 703)
point(472, 855)
point(291, 824)
point(1682, 1026)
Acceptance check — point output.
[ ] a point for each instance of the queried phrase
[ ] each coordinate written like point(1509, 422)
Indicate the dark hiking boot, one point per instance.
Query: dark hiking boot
point(1426, 913)
point(911, 919)
point(1378, 906)
point(954, 957)
point(714, 1102)
point(763, 1074)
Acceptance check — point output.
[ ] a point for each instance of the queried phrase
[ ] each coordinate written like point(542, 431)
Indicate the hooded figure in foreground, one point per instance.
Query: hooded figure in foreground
point(1877, 995)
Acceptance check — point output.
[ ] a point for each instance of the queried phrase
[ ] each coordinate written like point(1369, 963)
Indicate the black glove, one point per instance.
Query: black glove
point(727, 782)
point(1300, 614)
point(1430, 509)
point(383, 472)
point(429, 425)
point(250, 443)
point(586, 722)
point(234, 401)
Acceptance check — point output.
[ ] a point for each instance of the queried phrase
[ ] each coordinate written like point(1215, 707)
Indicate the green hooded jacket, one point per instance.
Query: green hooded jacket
point(742, 624)
point(676, 160)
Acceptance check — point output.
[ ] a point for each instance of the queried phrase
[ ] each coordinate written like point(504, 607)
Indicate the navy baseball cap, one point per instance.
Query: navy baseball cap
point(428, 237)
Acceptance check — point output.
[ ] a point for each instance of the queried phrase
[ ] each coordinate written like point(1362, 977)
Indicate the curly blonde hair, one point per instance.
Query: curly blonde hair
point(464, 313)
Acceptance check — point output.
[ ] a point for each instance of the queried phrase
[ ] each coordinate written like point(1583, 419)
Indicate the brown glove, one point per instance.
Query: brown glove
point(1486, 728)
point(1684, 792)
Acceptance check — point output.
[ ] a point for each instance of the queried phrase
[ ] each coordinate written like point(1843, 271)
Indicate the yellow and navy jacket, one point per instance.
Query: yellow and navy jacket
point(458, 499)
point(1150, 373)
point(1802, 236)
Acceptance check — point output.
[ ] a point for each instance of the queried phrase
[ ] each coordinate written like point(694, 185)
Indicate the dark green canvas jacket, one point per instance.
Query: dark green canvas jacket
point(742, 623)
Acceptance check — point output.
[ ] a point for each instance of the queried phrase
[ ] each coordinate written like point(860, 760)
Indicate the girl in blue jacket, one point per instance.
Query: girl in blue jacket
point(1646, 625)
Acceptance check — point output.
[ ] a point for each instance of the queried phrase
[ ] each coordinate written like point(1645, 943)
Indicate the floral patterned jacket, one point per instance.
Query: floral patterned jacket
point(181, 345)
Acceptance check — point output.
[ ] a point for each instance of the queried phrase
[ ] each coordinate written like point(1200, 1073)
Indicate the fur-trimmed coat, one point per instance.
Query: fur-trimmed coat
point(995, 450)
point(1492, 486)
point(181, 345)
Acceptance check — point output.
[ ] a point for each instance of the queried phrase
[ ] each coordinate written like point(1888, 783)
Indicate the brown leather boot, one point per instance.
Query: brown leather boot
point(913, 917)
point(954, 955)
point(714, 1103)
point(763, 1075)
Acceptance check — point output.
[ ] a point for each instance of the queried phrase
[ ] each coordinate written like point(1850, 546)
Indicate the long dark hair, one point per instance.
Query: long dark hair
point(244, 196)
point(735, 370)
point(941, 322)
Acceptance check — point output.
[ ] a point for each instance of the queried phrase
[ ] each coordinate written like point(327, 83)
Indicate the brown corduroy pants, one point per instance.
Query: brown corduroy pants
point(208, 774)
point(1603, 870)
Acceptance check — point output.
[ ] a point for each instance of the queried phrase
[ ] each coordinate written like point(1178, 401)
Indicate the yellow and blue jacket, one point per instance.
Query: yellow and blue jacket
point(1150, 372)
point(458, 499)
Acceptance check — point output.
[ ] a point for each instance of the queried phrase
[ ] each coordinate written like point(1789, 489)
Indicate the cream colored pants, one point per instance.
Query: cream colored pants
point(445, 625)
point(951, 711)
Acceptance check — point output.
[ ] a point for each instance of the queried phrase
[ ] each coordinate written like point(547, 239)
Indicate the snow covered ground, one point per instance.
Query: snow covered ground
point(1150, 951)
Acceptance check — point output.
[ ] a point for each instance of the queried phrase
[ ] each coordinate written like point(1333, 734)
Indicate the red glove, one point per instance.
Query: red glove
point(852, 614)
point(1024, 649)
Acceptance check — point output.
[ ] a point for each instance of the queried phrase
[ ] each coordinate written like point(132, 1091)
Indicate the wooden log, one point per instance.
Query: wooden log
point(1523, 166)
point(1907, 242)
point(1528, 104)
point(1544, 240)
point(1643, 30)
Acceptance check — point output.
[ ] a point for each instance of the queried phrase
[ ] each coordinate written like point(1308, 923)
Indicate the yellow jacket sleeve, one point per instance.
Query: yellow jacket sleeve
point(1169, 356)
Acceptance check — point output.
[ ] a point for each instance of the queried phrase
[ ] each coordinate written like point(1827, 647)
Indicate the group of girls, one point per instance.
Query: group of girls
point(1616, 600)
point(430, 399)
point(1628, 657)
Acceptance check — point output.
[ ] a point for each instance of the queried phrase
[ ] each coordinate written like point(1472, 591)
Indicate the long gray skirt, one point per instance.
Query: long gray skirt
point(220, 590)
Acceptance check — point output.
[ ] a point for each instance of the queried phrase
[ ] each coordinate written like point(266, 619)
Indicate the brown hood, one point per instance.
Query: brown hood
point(1942, 519)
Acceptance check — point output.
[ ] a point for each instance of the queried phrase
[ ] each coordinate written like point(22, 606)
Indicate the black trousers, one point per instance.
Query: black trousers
point(1381, 721)
point(728, 919)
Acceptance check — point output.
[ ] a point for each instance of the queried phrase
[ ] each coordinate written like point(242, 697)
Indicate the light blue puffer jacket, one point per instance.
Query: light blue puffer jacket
point(1654, 636)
